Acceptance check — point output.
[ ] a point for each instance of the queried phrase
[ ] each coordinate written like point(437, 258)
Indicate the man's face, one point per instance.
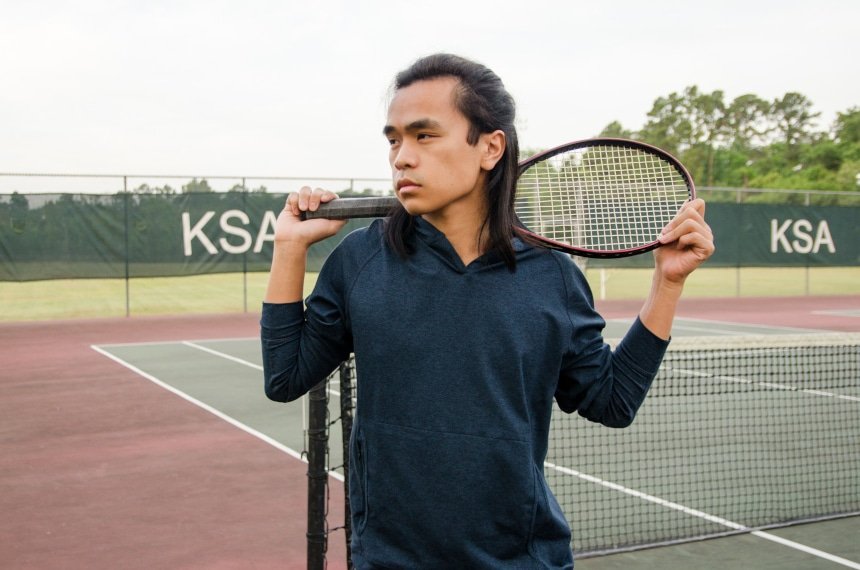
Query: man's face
point(435, 170)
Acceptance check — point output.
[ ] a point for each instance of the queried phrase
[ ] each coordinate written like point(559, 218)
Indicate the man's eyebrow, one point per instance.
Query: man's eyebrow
point(416, 125)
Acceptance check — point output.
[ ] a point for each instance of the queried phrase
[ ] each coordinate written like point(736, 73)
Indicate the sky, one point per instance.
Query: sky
point(299, 88)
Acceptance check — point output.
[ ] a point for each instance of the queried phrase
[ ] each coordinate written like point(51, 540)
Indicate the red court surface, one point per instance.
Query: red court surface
point(835, 314)
point(99, 469)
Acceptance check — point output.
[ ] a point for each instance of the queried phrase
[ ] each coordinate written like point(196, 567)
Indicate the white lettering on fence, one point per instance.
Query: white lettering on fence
point(189, 233)
point(803, 240)
point(269, 221)
point(236, 231)
point(232, 222)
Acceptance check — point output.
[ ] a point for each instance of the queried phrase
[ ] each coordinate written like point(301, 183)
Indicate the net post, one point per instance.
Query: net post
point(346, 411)
point(317, 476)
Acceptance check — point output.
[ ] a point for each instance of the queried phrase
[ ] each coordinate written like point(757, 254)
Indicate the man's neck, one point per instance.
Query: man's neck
point(464, 229)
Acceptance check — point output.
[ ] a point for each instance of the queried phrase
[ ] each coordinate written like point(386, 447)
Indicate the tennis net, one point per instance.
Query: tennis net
point(737, 434)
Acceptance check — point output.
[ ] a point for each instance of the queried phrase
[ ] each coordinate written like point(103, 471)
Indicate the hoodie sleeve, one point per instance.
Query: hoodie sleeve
point(303, 345)
point(603, 385)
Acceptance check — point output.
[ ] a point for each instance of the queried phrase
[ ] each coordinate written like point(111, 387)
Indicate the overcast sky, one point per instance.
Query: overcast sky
point(288, 88)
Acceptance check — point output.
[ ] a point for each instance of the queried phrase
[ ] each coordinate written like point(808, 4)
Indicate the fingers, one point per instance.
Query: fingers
point(308, 200)
point(690, 219)
point(699, 243)
point(687, 242)
point(291, 230)
point(689, 231)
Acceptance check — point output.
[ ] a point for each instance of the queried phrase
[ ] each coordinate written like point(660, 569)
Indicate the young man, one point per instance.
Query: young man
point(463, 336)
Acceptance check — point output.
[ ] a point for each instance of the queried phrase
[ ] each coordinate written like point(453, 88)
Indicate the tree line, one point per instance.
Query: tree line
point(750, 142)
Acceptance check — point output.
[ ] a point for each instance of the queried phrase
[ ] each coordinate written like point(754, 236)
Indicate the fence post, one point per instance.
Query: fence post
point(806, 203)
point(244, 253)
point(127, 249)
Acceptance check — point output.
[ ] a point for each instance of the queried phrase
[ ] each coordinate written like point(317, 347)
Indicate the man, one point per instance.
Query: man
point(463, 336)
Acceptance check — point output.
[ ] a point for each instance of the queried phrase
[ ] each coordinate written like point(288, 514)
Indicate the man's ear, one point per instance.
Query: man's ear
point(493, 149)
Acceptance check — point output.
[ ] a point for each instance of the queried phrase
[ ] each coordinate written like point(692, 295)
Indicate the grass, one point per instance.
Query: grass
point(233, 292)
point(732, 282)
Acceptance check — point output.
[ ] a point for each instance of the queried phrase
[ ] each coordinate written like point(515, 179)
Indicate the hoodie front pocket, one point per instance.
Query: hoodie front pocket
point(448, 494)
point(358, 482)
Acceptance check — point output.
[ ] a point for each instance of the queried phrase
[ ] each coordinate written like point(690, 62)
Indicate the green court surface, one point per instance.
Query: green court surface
point(225, 378)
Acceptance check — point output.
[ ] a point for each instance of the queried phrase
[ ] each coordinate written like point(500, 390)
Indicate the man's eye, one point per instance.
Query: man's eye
point(422, 136)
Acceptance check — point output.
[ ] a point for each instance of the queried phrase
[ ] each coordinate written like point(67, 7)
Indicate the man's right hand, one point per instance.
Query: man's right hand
point(290, 230)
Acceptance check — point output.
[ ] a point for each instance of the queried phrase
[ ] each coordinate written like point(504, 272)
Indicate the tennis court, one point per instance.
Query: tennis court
point(230, 475)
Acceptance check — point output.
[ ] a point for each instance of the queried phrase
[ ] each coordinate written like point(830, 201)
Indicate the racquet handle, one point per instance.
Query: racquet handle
point(345, 208)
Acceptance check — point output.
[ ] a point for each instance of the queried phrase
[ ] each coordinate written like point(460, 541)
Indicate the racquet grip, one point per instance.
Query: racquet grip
point(345, 208)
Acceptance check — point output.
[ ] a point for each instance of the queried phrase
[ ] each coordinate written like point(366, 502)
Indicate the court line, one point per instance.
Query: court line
point(807, 549)
point(773, 385)
point(721, 327)
point(751, 325)
point(163, 342)
point(678, 326)
point(194, 344)
point(218, 353)
point(850, 313)
point(214, 411)
point(204, 406)
point(703, 515)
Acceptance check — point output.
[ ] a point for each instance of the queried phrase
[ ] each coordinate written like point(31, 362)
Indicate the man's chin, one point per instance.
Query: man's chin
point(414, 207)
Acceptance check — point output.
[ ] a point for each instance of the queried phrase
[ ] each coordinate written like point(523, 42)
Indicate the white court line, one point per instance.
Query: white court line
point(163, 342)
point(852, 313)
point(193, 344)
point(214, 411)
point(775, 386)
point(749, 325)
point(678, 326)
point(807, 549)
point(222, 355)
point(832, 395)
point(703, 515)
point(679, 323)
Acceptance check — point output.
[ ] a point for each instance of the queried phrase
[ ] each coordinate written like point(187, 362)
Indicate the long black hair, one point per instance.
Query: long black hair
point(483, 100)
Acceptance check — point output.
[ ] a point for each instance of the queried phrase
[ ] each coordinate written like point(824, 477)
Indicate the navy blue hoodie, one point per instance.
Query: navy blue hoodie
point(458, 367)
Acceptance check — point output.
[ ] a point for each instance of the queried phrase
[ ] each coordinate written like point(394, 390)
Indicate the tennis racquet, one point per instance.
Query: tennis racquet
point(599, 197)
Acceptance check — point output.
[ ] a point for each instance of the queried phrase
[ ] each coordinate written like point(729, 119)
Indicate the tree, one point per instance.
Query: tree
point(708, 112)
point(616, 131)
point(692, 125)
point(19, 207)
point(753, 142)
point(746, 122)
point(846, 128)
point(848, 177)
point(793, 121)
point(197, 186)
point(668, 126)
point(147, 189)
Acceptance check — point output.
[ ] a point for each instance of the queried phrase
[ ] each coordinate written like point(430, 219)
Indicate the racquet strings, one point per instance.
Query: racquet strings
point(600, 198)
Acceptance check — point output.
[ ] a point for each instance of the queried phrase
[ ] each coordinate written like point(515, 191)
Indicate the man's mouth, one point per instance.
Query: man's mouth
point(406, 185)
